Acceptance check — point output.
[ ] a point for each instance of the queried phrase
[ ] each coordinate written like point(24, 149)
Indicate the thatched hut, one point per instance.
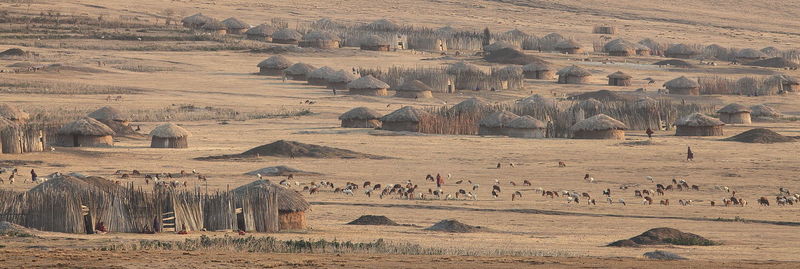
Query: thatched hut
point(404, 119)
point(85, 132)
point(538, 70)
point(375, 43)
point(361, 117)
point(538, 100)
point(619, 79)
point(215, 27)
point(320, 40)
point(599, 126)
point(569, 46)
point(735, 114)
point(274, 66)
point(287, 36)
point(319, 76)
point(196, 21)
point(683, 86)
point(620, 47)
point(368, 85)
point(299, 71)
point(169, 135)
point(262, 32)
point(113, 118)
point(463, 68)
point(500, 45)
point(235, 26)
point(783, 83)
point(471, 105)
point(573, 75)
point(680, 51)
point(698, 124)
point(383, 25)
point(495, 123)
point(13, 113)
point(291, 204)
point(340, 79)
point(590, 107)
point(764, 111)
point(642, 50)
point(526, 127)
point(414, 89)
point(750, 55)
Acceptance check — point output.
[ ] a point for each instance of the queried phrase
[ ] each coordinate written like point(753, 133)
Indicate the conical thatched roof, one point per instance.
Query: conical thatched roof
point(681, 83)
point(574, 70)
point(367, 82)
point(499, 45)
point(517, 33)
point(299, 69)
point(13, 113)
point(473, 104)
point(770, 50)
point(109, 113)
point(197, 19)
point(537, 66)
point(750, 54)
point(599, 122)
point(276, 62)
point(698, 120)
point(680, 49)
point(288, 200)
point(215, 25)
point(287, 34)
point(414, 86)
point(375, 40)
point(526, 122)
point(537, 99)
point(498, 119)
point(619, 75)
point(619, 45)
point(170, 130)
point(262, 30)
point(553, 36)
point(406, 114)
point(234, 23)
point(734, 108)
point(341, 76)
point(568, 44)
point(360, 113)
point(463, 67)
point(77, 185)
point(86, 126)
point(764, 111)
point(321, 73)
point(383, 25)
point(320, 36)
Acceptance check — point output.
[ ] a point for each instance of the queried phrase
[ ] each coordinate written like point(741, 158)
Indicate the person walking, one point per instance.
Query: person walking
point(439, 181)
point(689, 154)
point(33, 176)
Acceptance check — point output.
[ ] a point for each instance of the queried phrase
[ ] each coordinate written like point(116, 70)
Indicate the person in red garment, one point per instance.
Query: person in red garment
point(439, 181)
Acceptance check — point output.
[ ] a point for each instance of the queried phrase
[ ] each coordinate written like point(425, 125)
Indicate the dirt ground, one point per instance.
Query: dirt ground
point(751, 236)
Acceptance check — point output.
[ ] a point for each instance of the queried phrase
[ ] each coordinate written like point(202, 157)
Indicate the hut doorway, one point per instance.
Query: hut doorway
point(240, 223)
point(400, 45)
point(88, 224)
point(75, 141)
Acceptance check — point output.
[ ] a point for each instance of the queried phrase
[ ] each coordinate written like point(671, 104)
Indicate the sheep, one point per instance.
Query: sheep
point(348, 192)
point(475, 186)
point(649, 178)
point(622, 201)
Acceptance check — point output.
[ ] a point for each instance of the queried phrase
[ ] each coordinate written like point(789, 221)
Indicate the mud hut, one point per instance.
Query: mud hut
point(375, 43)
point(340, 79)
point(235, 26)
point(526, 127)
point(404, 119)
point(262, 32)
point(85, 132)
point(683, 86)
point(573, 75)
point(383, 25)
point(735, 114)
point(292, 206)
point(680, 51)
point(361, 117)
point(750, 55)
point(169, 135)
point(114, 119)
point(414, 89)
point(274, 66)
point(495, 123)
point(13, 113)
point(500, 45)
point(538, 70)
point(698, 124)
point(368, 85)
point(599, 126)
point(215, 27)
point(590, 107)
point(473, 105)
point(287, 36)
point(319, 76)
point(463, 68)
point(299, 71)
point(619, 79)
point(764, 111)
point(569, 46)
point(320, 40)
point(196, 21)
point(620, 47)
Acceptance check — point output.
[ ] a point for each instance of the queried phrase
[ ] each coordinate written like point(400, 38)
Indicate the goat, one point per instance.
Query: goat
point(622, 201)
point(695, 187)
point(665, 202)
point(496, 188)
point(526, 183)
point(647, 200)
point(659, 192)
point(367, 184)
point(763, 201)
point(607, 192)
point(562, 164)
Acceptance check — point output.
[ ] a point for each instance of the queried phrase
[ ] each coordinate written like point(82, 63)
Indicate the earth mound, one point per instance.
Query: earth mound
point(454, 226)
point(601, 95)
point(11, 229)
point(511, 56)
point(675, 63)
point(664, 236)
point(280, 170)
point(373, 220)
point(293, 149)
point(760, 135)
point(13, 52)
point(777, 62)
point(663, 255)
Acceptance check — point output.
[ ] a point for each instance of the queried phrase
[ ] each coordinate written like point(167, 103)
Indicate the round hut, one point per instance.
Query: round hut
point(291, 204)
point(783, 83)
point(196, 21)
point(320, 40)
point(683, 86)
point(698, 124)
point(274, 66)
point(262, 32)
point(463, 68)
point(750, 55)
point(573, 75)
point(361, 117)
point(764, 111)
point(299, 71)
point(287, 36)
point(735, 114)
point(375, 43)
point(113, 118)
point(215, 27)
point(569, 46)
point(620, 47)
point(340, 79)
point(169, 135)
point(85, 132)
point(368, 85)
point(599, 126)
point(619, 79)
point(495, 123)
point(13, 113)
point(526, 127)
point(538, 70)
point(500, 45)
point(680, 51)
point(235, 26)
point(383, 25)
point(538, 100)
point(405, 119)
point(474, 105)
point(414, 89)
point(319, 76)
point(590, 107)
